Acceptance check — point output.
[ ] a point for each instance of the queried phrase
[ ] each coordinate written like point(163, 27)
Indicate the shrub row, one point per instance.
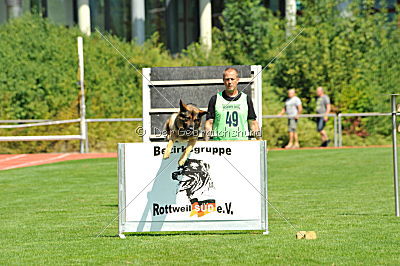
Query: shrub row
point(355, 58)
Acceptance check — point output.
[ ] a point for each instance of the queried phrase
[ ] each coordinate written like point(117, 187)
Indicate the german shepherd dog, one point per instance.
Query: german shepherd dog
point(183, 127)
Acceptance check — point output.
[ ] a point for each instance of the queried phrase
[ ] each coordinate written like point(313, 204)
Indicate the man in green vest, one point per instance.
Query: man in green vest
point(231, 112)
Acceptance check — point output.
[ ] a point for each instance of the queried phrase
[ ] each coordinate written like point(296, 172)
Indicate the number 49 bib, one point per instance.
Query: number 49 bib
point(230, 122)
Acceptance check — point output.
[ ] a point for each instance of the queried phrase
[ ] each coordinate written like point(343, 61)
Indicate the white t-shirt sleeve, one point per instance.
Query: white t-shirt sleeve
point(298, 101)
point(327, 100)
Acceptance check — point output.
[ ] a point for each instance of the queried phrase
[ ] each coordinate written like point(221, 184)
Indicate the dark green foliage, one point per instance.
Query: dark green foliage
point(40, 65)
point(354, 55)
point(244, 27)
point(39, 81)
point(354, 58)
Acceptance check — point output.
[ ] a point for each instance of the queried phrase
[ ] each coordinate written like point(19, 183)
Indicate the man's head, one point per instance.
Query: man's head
point(231, 79)
point(320, 91)
point(291, 93)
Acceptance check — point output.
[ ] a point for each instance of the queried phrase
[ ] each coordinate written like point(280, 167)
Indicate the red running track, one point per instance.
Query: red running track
point(11, 161)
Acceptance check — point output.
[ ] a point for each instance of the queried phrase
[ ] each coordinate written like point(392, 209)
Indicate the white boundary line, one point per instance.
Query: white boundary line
point(13, 157)
point(35, 162)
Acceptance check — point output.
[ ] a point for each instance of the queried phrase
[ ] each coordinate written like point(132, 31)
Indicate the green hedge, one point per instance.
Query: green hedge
point(355, 58)
point(39, 81)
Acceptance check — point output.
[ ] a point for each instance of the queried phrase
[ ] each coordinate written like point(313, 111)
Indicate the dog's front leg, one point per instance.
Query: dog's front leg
point(168, 149)
point(186, 153)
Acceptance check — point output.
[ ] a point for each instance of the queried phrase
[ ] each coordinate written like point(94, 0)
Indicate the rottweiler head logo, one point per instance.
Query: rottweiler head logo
point(194, 179)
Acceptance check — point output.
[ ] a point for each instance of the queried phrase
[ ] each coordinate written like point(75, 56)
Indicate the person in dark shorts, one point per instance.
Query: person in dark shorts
point(323, 107)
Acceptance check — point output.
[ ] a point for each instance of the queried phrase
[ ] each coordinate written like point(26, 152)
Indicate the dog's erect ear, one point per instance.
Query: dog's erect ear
point(182, 106)
point(201, 113)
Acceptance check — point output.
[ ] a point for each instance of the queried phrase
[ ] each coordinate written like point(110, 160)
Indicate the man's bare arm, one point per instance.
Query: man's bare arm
point(300, 110)
point(328, 110)
point(208, 129)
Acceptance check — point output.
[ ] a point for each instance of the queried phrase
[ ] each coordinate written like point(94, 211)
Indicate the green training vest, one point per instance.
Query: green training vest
point(230, 122)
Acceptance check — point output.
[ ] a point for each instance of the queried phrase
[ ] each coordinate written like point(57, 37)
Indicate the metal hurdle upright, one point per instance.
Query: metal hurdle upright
point(394, 146)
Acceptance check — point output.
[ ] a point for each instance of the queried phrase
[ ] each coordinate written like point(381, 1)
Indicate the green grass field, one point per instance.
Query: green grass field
point(51, 214)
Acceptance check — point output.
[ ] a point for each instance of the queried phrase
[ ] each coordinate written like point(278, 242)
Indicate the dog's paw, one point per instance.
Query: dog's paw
point(182, 162)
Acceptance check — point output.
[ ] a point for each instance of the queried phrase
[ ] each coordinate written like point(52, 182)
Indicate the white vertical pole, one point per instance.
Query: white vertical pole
point(335, 130)
point(84, 16)
point(291, 11)
point(256, 90)
point(394, 144)
point(14, 8)
point(138, 19)
point(264, 163)
point(83, 126)
point(205, 15)
point(340, 130)
point(146, 123)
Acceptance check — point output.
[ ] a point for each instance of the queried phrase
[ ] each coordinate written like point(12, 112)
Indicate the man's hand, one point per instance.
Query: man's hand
point(300, 110)
point(255, 129)
point(208, 129)
point(328, 110)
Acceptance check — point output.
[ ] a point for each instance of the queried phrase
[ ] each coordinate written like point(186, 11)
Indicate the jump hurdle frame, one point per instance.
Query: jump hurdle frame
point(162, 90)
point(182, 85)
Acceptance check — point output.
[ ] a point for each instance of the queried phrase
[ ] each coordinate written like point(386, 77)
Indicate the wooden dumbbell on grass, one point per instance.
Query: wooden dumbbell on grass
point(306, 235)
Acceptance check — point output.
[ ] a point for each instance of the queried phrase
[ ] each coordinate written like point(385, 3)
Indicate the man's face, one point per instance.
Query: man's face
point(291, 93)
point(320, 91)
point(231, 81)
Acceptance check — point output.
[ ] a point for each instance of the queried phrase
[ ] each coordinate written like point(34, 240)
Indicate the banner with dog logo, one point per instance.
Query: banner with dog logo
point(221, 186)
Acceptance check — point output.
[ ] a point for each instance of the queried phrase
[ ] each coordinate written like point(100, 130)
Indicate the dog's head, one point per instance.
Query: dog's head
point(193, 176)
point(189, 117)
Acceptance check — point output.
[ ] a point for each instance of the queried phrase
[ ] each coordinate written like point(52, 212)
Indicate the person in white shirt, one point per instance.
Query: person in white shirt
point(292, 108)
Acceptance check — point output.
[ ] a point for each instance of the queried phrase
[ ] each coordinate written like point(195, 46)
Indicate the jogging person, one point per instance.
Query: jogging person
point(323, 107)
point(231, 113)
